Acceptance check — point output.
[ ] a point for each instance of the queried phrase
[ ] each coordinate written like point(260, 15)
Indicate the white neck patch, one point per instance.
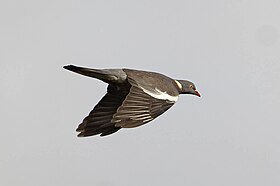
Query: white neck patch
point(179, 84)
point(161, 95)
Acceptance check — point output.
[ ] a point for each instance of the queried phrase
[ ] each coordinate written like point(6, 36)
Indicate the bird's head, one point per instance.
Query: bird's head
point(187, 87)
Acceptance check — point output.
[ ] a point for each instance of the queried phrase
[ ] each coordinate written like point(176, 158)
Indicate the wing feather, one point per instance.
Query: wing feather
point(99, 119)
point(139, 108)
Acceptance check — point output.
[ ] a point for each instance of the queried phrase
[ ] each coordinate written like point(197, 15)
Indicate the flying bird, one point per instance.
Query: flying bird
point(133, 98)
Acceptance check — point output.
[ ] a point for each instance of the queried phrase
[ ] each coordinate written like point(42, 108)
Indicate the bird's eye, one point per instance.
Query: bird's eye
point(191, 86)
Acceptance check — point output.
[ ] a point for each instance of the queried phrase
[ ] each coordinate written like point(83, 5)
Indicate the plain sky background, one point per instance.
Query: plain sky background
point(228, 137)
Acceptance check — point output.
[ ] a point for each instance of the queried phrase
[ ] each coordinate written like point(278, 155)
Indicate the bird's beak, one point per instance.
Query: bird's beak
point(197, 93)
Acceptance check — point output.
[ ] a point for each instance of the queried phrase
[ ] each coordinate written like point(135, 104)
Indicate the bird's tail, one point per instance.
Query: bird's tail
point(106, 75)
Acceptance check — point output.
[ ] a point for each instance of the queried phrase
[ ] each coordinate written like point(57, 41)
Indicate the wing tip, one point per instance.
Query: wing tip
point(81, 135)
point(101, 132)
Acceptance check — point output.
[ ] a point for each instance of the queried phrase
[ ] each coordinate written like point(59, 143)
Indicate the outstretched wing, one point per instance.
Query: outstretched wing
point(99, 120)
point(122, 109)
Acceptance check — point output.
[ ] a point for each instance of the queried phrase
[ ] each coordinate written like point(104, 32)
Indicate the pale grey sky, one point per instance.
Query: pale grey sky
point(229, 136)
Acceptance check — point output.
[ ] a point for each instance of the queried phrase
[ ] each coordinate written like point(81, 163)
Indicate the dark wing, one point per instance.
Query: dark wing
point(118, 109)
point(139, 108)
point(99, 119)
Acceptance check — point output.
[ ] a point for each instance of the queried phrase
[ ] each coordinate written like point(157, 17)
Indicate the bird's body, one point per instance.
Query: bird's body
point(133, 98)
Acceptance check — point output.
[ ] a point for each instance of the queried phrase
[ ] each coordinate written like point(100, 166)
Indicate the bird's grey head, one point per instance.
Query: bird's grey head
point(187, 87)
